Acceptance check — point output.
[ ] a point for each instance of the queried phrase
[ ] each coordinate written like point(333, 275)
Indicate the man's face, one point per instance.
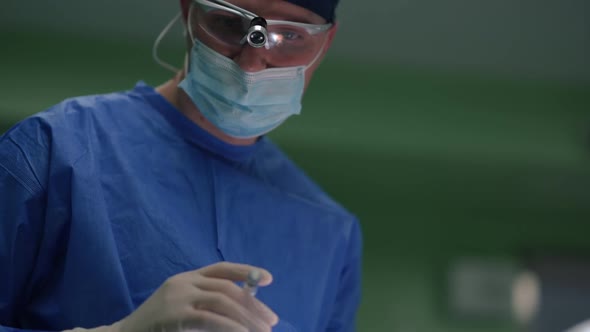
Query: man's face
point(206, 27)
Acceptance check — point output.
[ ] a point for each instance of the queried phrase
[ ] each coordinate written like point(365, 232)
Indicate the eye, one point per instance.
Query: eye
point(291, 35)
point(227, 22)
point(224, 22)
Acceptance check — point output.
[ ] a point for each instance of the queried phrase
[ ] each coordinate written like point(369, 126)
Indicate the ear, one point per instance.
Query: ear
point(330, 37)
point(184, 6)
point(332, 34)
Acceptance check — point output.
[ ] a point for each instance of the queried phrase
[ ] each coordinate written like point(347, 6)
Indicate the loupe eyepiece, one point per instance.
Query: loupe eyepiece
point(257, 35)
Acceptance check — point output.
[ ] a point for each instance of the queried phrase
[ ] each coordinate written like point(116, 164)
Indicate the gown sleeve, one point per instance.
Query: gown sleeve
point(22, 210)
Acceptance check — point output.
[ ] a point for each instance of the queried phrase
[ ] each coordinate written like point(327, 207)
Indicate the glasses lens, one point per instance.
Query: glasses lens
point(223, 26)
point(291, 44)
point(288, 45)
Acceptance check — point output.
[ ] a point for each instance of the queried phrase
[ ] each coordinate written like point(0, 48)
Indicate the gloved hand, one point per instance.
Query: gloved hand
point(205, 300)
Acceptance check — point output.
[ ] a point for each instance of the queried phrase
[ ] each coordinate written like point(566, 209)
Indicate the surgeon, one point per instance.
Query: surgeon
point(146, 210)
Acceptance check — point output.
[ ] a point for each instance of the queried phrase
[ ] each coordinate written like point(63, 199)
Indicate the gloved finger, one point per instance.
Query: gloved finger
point(222, 304)
point(233, 271)
point(252, 304)
point(207, 321)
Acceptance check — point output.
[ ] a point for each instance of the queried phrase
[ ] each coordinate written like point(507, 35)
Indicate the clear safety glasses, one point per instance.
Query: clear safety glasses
point(226, 26)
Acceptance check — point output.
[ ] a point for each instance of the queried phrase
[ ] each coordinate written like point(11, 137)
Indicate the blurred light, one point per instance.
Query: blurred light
point(526, 297)
point(583, 327)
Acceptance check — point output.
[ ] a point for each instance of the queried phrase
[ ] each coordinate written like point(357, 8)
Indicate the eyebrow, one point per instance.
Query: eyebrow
point(294, 18)
point(282, 14)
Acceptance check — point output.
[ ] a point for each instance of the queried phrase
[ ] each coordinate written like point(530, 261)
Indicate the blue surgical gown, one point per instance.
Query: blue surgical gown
point(104, 197)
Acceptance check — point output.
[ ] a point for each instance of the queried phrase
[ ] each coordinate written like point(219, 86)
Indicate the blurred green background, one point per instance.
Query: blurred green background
point(451, 129)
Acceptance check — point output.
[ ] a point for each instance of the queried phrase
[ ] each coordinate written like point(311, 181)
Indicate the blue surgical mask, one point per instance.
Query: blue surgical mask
point(242, 104)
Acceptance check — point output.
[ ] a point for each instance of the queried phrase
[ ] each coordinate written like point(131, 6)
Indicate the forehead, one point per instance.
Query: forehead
point(279, 9)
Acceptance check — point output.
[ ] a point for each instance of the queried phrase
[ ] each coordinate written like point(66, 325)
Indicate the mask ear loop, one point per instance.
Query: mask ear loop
point(189, 27)
point(161, 36)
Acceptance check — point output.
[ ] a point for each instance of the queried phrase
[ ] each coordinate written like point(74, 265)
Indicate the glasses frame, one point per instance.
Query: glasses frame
point(312, 29)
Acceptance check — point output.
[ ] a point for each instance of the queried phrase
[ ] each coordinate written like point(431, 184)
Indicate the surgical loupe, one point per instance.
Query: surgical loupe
point(257, 36)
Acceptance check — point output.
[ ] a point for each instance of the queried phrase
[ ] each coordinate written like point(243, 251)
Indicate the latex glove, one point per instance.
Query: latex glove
point(204, 300)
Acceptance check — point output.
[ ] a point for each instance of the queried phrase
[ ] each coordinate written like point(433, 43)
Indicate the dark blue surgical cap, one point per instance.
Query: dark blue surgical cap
point(324, 8)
